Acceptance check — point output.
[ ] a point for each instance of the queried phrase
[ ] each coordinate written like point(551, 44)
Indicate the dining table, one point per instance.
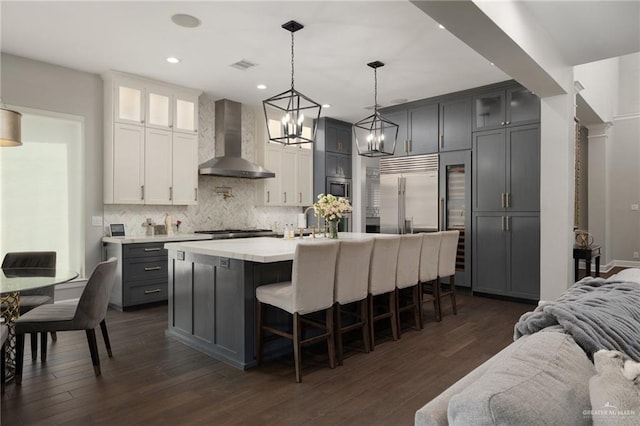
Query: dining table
point(12, 282)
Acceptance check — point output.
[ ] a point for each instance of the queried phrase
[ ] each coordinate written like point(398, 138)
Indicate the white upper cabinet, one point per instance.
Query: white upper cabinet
point(129, 103)
point(159, 108)
point(185, 117)
point(151, 142)
point(293, 166)
point(184, 174)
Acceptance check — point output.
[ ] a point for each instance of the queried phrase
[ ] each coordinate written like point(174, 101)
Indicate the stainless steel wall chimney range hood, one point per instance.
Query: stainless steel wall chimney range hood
point(228, 161)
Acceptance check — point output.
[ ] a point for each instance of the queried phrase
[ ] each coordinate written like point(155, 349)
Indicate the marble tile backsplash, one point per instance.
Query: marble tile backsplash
point(213, 211)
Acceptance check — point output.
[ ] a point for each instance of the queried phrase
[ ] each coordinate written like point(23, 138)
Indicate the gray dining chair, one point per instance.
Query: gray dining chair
point(29, 299)
point(86, 314)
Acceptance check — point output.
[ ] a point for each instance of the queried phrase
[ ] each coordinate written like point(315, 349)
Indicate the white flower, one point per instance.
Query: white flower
point(331, 208)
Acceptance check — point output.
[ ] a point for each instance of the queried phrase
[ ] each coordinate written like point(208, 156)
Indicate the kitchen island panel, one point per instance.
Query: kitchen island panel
point(212, 303)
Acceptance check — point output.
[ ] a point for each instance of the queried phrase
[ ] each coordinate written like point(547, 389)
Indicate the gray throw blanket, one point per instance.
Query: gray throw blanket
point(597, 313)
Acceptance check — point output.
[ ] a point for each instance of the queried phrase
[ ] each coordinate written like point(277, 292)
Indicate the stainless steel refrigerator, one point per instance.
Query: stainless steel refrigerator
point(409, 194)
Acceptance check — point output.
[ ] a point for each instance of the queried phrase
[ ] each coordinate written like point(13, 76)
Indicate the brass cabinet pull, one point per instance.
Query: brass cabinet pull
point(507, 222)
point(142, 192)
point(502, 222)
point(268, 196)
point(502, 200)
point(157, 290)
point(300, 197)
point(284, 195)
point(502, 123)
point(442, 140)
point(171, 193)
point(195, 190)
point(153, 249)
point(410, 145)
point(508, 198)
point(152, 268)
point(508, 122)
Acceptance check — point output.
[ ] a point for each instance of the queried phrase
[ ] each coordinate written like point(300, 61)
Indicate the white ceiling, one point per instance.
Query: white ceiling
point(339, 38)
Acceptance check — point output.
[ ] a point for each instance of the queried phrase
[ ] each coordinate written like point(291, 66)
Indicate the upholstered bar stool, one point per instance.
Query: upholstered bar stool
point(429, 258)
point(89, 312)
point(407, 276)
point(30, 299)
point(310, 290)
point(352, 286)
point(447, 266)
point(382, 281)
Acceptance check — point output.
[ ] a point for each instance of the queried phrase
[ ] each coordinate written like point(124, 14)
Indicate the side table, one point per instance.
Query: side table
point(586, 253)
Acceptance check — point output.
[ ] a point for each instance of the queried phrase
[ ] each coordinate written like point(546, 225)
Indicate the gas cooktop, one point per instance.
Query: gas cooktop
point(220, 234)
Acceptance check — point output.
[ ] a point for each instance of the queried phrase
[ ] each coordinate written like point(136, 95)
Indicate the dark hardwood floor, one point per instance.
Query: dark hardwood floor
point(153, 380)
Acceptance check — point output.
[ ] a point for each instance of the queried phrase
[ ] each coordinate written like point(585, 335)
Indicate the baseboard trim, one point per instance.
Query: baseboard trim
point(627, 263)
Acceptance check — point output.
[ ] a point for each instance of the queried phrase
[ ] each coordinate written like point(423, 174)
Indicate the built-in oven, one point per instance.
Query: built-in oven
point(341, 187)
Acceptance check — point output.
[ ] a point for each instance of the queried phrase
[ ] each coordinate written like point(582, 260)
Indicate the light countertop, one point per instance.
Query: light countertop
point(261, 249)
point(155, 239)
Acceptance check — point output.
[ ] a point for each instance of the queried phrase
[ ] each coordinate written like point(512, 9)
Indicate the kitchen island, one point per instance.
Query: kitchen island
point(212, 287)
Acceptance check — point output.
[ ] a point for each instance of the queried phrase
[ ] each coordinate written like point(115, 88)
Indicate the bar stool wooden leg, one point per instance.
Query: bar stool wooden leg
point(371, 323)
point(452, 282)
point(338, 333)
point(43, 347)
point(364, 314)
point(34, 346)
point(297, 346)
point(331, 338)
point(436, 299)
point(417, 306)
point(259, 335)
point(394, 315)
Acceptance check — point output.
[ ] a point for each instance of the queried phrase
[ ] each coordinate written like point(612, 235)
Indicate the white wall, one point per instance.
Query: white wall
point(43, 86)
point(614, 169)
point(600, 81)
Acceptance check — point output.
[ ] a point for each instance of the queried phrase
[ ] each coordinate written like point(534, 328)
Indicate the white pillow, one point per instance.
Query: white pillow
point(630, 274)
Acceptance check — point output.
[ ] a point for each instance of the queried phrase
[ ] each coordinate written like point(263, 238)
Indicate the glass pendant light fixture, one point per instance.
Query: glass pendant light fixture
point(291, 117)
point(375, 136)
point(10, 131)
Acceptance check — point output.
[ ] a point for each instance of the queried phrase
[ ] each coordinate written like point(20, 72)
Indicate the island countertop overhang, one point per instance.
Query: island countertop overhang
point(259, 249)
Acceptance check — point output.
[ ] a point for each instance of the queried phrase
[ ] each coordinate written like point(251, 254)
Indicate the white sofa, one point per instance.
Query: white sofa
point(542, 378)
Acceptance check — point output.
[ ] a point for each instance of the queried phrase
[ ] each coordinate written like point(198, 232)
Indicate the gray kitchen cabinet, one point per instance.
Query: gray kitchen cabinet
point(506, 167)
point(212, 305)
point(331, 155)
point(338, 137)
point(455, 124)
point(512, 106)
point(141, 276)
point(418, 129)
point(506, 257)
point(400, 118)
point(338, 165)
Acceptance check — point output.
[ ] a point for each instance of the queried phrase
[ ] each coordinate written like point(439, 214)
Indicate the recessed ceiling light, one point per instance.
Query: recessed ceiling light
point(261, 86)
point(173, 60)
point(326, 106)
point(186, 21)
point(441, 26)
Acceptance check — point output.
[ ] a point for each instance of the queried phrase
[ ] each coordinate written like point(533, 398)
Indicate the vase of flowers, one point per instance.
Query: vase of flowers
point(332, 209)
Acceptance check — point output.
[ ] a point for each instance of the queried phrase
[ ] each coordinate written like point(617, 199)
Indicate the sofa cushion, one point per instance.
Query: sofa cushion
point(544, 380)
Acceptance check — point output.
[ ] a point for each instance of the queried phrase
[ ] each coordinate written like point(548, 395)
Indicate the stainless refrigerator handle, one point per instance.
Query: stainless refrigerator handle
point(401, 206)
point(441, 214)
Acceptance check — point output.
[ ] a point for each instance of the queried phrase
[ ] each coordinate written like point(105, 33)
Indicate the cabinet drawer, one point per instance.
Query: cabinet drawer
point(145, 269)
point(145, 249)
point(147, 293)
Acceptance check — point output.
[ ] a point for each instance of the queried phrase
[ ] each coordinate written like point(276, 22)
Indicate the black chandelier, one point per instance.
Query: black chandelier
point(291, 117)
point(375, 135)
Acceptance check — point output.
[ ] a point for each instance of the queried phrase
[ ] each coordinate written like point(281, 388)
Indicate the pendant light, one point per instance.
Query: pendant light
point(10, 133)
point(375, 135)
point(291, 117)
